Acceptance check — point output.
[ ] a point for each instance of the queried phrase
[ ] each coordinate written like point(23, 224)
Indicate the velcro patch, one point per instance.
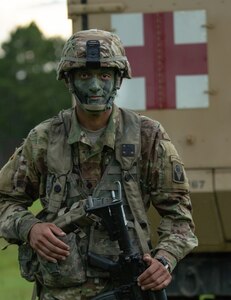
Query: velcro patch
point(128, 150)
point(178, 172)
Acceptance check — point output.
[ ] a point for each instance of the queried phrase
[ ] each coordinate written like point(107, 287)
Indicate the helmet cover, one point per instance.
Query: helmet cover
point(111, 53)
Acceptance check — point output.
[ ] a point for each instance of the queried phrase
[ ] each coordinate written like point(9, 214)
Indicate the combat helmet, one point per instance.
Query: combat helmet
point(79, 52)
point(93, 49)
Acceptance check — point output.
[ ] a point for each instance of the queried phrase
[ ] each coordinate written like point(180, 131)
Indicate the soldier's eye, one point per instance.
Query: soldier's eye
point(84, 75)
point(106, 76)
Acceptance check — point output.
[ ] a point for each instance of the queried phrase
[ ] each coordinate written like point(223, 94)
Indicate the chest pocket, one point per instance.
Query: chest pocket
point(59, 161)
point(56, 192)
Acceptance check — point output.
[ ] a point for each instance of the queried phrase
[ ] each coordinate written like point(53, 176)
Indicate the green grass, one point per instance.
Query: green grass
point(12, 286)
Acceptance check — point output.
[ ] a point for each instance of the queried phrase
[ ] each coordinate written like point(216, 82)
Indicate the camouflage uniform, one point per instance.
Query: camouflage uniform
point(27, 177)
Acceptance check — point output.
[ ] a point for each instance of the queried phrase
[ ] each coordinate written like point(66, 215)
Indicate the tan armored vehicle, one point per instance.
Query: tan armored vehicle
point(180, 56)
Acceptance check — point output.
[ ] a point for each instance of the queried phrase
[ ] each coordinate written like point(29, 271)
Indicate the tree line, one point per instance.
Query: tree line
point(29, 91)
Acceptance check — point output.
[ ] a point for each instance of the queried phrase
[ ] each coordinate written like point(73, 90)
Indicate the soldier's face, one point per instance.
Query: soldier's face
point(94, 86)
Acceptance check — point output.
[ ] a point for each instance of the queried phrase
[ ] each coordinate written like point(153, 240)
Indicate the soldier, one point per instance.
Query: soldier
point(85, 151)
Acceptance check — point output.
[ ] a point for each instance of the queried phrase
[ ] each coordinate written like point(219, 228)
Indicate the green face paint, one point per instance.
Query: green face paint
point(95, 87)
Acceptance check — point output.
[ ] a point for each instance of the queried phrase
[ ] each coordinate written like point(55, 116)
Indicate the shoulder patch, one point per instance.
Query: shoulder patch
point(178, 172)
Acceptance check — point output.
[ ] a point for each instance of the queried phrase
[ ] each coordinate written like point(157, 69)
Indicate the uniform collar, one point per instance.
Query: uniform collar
point(76, 134)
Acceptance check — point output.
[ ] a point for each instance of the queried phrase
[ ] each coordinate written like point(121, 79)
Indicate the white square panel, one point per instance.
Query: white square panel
point(188, 27)
point(129, 27)
point(191, 91)
point(131, 95)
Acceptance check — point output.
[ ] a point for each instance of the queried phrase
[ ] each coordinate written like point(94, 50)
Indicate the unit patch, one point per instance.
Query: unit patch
point(178, 173)
point(128, 150)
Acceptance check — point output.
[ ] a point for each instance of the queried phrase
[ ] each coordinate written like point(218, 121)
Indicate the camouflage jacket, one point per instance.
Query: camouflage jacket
point(163, 182)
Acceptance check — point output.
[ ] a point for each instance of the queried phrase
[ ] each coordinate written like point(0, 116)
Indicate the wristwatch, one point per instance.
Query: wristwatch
point(163, 261)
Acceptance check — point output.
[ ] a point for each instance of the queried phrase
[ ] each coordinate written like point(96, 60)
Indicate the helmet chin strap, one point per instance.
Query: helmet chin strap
point(93, 108)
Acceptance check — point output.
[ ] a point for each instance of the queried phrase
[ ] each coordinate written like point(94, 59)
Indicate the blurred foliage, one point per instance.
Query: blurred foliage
point(12, 285)
point(29, 90)
point(10, 272)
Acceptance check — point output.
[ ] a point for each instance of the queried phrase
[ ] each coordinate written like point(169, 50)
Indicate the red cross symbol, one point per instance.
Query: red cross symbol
point(160, 60)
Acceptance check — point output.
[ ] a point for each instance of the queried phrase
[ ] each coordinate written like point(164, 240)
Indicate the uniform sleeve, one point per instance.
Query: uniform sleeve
point(170, 196)
point(21, 183)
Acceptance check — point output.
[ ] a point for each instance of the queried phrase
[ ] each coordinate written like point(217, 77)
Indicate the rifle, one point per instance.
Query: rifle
point(130, 264)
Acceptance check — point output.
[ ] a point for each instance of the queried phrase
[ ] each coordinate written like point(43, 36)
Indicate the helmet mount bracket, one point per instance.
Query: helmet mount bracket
point(93, 54)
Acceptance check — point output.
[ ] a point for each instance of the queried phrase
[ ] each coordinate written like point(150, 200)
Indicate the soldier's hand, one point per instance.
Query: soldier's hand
point(155, 277)
point(44, 239)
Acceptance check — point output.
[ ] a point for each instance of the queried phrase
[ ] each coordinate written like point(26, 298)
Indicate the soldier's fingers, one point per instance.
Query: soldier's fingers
point(46, 257)
point(152, 279)
point(155, 274)
point(48, 250)
point(52, 233)
point(153, 268)
point(148, 259)
point(157, 284)
point(56, 230)
point(55, 241)
point(161, 286)
point(46, 243)
point(51, 248)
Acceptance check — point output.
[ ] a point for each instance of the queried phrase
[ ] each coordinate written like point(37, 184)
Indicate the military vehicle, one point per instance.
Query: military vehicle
point(180, 56)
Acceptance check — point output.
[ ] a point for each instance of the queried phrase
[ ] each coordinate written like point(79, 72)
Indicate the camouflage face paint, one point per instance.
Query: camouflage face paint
point(94, 86)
